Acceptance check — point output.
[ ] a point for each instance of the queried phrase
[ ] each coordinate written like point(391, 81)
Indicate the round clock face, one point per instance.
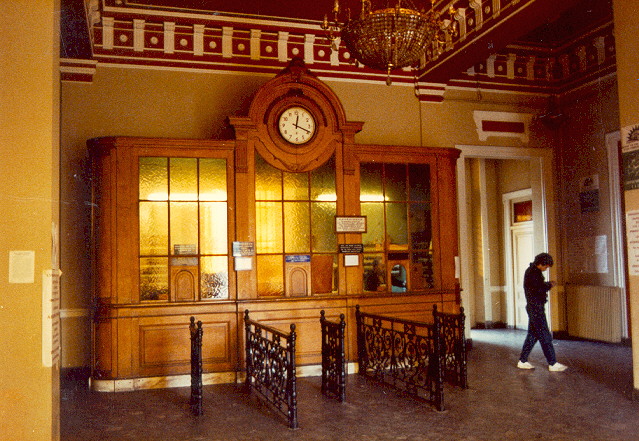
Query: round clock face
point(296, 125)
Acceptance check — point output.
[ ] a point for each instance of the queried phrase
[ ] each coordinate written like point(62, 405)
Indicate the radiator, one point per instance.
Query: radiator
point(596, 312)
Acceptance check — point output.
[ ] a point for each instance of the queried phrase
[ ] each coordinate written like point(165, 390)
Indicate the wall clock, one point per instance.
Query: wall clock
point(296, 125)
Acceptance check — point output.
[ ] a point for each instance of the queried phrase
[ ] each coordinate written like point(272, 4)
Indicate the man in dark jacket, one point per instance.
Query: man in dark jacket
point(536, 290)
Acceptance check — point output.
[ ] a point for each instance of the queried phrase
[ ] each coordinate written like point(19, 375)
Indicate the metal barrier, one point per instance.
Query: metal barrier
point(333, 357)
point(453, 346)
point(196, 367)
point(270, 366)
point(402, 353)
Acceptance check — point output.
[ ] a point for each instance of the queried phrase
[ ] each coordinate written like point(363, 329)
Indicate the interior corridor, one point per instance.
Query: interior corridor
point(590, 401)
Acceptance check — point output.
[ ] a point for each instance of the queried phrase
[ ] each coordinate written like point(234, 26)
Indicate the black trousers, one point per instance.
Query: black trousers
point(538, 332)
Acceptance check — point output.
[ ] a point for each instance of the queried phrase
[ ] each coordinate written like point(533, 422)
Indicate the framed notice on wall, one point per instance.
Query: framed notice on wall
point(350, 224)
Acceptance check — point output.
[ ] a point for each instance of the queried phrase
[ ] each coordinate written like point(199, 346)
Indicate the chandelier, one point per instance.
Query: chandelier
point(392, 37)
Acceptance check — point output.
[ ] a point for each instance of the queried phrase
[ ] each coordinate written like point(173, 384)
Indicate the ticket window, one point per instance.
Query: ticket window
point(398, 265)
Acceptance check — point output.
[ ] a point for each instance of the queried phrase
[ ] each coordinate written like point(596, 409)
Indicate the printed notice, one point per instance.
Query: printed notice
point(21, 266)
point(350, 224)
point(632, 233)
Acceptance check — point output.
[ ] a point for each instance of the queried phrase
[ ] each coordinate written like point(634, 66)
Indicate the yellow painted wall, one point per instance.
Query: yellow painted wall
point(29, 153)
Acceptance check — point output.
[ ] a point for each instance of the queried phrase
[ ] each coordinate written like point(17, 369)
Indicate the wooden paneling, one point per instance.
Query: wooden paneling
point(135, 338)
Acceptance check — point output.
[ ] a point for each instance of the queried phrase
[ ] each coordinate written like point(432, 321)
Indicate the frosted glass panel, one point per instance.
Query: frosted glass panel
point(213, 180)
point(154, 228)
point(420, 226)
point(154, 180)
point(397, 227)
point(296, 186)
point(421, 275)
point(213, 228)
point(374, 272)
point(371, 182)
point(324, 238)
point(269, 227)
point(323, 182)
point(395, 182)
point(297, 227)
point(184, 227)
point(419, 182)
point(373, 239)
point(270, 276)
point(268, 181)
point(183, 179)
point(154, 278)
point(215, 277)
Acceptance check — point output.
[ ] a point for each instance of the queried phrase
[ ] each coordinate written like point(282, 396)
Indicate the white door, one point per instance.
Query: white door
point(523, 254)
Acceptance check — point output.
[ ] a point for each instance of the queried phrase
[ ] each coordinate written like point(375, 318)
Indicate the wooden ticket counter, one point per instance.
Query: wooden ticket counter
point(289, 218)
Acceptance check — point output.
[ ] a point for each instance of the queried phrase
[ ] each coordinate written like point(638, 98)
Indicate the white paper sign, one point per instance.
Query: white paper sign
point(21, 266)
point(632, 234)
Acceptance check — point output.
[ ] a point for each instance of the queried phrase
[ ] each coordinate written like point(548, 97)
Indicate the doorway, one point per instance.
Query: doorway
point(522, 251)
point(487, 279)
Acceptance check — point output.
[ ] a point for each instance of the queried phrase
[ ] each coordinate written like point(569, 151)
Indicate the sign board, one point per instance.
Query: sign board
point(351, 248)
point(350, 224)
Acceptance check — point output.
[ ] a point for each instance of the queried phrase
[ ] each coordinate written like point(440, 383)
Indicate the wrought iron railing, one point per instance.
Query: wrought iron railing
point(453, 346)
point(402, 353)
point(270, 366)
point(333, 357)
point(196, 366)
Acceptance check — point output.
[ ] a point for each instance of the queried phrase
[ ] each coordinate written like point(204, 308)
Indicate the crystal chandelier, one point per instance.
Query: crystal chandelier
point(392, 37)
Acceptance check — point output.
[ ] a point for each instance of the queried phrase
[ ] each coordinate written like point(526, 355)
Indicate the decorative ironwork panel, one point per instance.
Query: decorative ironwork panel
point(453, 344)
point(402, 353)
point(270, 366)
point(333, 357)
point(196, 366)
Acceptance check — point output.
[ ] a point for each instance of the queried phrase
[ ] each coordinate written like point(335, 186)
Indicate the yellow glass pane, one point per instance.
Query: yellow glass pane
point(213, 179)
point(154, 278)
point(370, 182)
point(395, 182)
point(323, 182)
point(397, 226)
point(184, 227)
point(297, 227)
point(153, 179)
point(270, 276)
point(183, 179)
point(373, 239)
point(268, 216)
point(295, 186)
point(268, 181)
point(323, 235)
point(213, 228)
point(154, 228)
point(214, 277)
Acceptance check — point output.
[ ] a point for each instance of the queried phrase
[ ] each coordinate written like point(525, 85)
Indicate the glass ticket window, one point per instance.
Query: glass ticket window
point(395, 198)
point(183, 227)
point(295, 238)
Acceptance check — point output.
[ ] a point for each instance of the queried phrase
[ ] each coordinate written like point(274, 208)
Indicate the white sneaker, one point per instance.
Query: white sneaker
point(524, 365)
point(557, 367)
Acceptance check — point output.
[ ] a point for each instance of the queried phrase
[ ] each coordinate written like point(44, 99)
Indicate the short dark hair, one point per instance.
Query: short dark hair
point(543, 259)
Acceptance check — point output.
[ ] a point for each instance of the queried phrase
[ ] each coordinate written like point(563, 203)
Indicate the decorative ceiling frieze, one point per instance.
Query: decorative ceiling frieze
point(161, 34)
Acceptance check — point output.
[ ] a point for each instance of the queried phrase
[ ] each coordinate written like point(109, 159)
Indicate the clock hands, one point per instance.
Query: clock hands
point(300, 127)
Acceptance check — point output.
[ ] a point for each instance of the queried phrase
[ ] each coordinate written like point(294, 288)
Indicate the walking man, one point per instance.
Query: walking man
point(536, 289)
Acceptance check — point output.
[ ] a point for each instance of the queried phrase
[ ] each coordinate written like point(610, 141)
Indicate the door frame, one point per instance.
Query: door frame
point(509, 228)
point(542, 195)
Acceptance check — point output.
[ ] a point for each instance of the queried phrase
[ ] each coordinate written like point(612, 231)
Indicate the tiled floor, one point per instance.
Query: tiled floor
point(590, 401)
